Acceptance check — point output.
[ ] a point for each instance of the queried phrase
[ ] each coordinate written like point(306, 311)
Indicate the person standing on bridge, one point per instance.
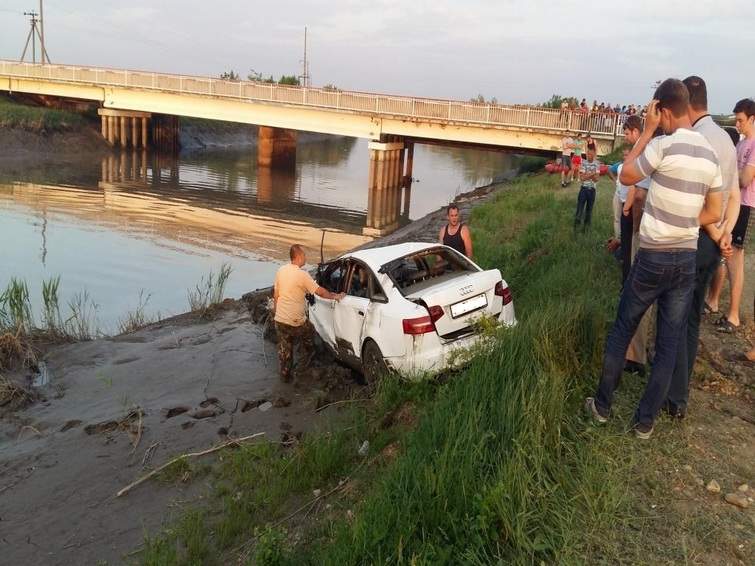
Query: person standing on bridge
point(292, 284)
point(455, 234)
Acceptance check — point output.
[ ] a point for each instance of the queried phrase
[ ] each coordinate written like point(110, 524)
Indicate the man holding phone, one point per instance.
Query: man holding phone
point(684, 193)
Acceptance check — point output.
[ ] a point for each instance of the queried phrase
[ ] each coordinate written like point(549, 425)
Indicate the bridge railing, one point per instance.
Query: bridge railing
point(521, 116)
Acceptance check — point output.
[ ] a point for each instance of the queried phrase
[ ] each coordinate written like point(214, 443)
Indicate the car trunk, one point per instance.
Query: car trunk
point(463, 298)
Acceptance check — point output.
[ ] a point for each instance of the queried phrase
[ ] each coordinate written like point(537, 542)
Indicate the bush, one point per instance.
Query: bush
point(532, 164)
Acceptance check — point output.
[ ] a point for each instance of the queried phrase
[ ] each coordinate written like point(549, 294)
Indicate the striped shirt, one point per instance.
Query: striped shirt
point(589, 168)
point(682, 168)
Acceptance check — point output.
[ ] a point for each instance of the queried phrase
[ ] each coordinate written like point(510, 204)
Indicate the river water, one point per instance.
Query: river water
point(134, 224)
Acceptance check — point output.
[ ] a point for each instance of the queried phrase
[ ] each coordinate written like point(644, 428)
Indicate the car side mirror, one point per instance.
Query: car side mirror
point(379, 298)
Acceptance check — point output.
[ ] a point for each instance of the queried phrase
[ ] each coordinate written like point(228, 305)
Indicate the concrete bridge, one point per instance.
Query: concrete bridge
point(133, 102)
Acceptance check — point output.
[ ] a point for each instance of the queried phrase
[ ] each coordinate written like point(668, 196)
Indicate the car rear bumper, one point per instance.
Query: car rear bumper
point(428, 354)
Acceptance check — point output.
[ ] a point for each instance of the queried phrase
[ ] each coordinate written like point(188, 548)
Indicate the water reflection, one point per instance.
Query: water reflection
point(132, 220)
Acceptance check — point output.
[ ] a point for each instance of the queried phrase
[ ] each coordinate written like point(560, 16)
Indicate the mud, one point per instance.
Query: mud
point(116, 408)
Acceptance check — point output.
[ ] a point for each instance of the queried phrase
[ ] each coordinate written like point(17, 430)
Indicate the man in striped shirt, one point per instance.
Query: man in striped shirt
point(685, 192)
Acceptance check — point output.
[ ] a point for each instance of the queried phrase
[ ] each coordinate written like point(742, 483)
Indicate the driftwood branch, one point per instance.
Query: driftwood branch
point(156, 471)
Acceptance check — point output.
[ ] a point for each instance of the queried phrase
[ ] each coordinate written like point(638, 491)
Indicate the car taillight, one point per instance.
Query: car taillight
point(435, 312)
point(503, 292)
point(419, 325)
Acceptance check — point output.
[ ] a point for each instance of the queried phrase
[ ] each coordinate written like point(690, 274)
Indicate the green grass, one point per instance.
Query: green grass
point(16, 315)
point(210, 290)
point(36, 118)
point(137, 318)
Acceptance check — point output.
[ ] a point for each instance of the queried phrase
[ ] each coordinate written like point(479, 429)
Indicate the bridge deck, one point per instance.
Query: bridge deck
point(410, 107)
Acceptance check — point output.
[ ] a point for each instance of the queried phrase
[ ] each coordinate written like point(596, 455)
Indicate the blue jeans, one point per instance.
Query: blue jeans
point(708, 256)
point(666, 277)
point(585, 202)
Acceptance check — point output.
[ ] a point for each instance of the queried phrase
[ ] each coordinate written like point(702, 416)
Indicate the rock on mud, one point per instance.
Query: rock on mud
point(713, 486)
point(737, 499)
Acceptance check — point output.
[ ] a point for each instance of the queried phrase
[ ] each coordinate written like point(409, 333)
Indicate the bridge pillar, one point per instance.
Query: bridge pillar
point(122, 127)
point(111, 133)
point(385, 180)
point(124, 132)
point(165, 131)
point(276, 147)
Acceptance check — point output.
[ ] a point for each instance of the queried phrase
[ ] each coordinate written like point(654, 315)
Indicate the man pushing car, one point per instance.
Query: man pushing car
point(292, 284)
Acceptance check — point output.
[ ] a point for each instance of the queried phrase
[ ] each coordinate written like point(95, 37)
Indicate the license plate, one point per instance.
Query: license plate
point(468, 305)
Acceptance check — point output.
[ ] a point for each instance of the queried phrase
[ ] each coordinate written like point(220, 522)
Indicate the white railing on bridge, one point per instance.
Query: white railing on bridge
point(518, 116)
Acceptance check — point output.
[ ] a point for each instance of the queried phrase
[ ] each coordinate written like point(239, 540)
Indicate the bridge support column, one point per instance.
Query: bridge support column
point(165, 131)
point(111, 134)
point(276, 147)
point(134, 133)
point(144, 121)
point(122, 127)
point(124, 132)
point(407, 179)
point(385, 180)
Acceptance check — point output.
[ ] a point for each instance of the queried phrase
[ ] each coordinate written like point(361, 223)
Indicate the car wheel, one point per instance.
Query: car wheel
point(373, 363)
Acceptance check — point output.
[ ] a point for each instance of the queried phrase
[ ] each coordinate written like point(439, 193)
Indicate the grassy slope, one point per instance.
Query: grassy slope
point(36, 118)
point(492, 466)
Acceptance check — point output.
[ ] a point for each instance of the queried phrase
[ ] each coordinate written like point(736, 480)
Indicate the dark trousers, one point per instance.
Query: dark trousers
point(288, 336)
point(627, 232)
point(585, 202)
point(667, 278)
point(707, 260)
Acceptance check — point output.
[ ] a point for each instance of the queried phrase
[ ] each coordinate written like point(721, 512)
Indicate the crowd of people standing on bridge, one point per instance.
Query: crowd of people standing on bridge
point(603, 108)
point(684, 202)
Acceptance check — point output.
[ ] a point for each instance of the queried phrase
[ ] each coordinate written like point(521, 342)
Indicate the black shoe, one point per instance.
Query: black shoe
point(674, 412)
point(634, 367)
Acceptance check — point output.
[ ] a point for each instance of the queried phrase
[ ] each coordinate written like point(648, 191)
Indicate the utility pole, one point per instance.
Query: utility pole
point(32, 37)
point(305, 66)
point(42, 30)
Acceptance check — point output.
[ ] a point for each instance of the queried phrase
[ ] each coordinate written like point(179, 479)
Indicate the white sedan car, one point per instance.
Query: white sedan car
point(407, 307)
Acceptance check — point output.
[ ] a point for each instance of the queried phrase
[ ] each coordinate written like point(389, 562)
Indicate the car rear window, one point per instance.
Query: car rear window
point(436, 263)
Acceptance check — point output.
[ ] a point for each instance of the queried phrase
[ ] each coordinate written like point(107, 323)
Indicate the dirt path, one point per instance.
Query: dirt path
point(63, 459)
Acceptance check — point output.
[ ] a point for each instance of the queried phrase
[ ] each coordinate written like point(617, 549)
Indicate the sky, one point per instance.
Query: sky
point(518, 52)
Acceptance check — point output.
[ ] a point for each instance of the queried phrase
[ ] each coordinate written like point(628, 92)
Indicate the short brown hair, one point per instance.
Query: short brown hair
point(746, 106)
point(673, 95)
point(698, 93)
point(452, 206)
point(633, 122)
point(295, 251)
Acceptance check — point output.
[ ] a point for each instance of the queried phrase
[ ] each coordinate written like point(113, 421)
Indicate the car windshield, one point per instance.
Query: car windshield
point(428, 265)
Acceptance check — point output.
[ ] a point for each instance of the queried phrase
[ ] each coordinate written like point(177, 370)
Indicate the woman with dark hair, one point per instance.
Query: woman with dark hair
point(590, 143)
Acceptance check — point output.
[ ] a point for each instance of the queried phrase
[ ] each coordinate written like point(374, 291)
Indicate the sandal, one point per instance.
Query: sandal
point(728, 327)
point(707, 309)
point(721, 320)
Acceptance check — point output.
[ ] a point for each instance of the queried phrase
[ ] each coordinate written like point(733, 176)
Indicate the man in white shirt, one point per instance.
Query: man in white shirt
point(708, 250)
point(567, 148)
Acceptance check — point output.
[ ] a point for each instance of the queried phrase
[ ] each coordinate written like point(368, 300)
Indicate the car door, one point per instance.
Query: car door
point(321, 314)
point(350, 312)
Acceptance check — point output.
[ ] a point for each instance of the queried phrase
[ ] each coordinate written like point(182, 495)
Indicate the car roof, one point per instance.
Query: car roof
point(377, 257)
